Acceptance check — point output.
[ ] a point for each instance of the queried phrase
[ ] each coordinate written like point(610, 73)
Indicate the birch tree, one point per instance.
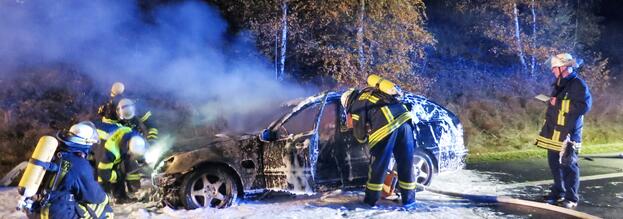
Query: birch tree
point(520, 52)
point(284, 39)
point(360, 24)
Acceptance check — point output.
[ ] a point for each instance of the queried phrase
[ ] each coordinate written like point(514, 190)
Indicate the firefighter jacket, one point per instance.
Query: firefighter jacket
point(75, 194)
point(107, 110)
point(144, 124)
point(565, 118)
point(375, 115)
point(112, 153)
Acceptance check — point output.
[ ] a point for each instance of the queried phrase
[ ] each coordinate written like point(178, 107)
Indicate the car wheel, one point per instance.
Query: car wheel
point(209, 187)
point(422, 168)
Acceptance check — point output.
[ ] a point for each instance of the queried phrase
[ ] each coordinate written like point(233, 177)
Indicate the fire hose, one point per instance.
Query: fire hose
point(591, 158)
point(509, 200)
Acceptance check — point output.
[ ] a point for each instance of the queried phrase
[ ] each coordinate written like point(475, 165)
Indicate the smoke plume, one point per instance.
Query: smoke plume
point(180, 48)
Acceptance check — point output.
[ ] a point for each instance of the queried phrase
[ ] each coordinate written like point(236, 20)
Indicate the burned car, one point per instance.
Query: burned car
point(307, 150)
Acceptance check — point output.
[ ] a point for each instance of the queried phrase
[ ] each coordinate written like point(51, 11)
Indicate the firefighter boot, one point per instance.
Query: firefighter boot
point(372, 197)
point(408, 197)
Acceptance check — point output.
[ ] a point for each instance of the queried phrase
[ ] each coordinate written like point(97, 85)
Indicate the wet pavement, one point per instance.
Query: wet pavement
point(601, 186)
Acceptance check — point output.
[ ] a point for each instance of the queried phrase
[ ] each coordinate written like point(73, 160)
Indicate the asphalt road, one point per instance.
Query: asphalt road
point(601, 187)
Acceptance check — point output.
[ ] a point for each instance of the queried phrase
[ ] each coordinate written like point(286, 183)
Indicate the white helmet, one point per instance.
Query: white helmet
point(137, 146)
point(83, 133)
point(564, 60)
point(126, 109)
point(116, 89)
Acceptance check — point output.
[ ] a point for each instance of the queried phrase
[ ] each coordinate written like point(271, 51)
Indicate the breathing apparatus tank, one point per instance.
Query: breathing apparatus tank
point(384, 85)
point(38, 164)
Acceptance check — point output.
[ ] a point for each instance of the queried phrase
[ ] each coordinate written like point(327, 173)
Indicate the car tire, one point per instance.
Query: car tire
point(211, 186)
point(422, 168)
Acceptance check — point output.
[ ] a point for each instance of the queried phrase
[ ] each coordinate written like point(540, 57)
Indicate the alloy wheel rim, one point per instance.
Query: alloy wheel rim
point(210, 190)
point(420, 169)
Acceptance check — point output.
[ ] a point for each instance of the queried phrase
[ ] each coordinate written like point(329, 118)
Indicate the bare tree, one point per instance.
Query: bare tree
point(533, 10)
point(284, 39)
point(518, 37)
point(362, 58)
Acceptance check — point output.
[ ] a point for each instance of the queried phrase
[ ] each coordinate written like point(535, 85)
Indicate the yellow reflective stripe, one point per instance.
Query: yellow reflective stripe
point(102, 134)
point(153, 131)
point(87, 215)
point(113, 177)
point(98, 209)
point(546, 143)
point(133, 176)
point(45, 212)
point(369, 97)
point(556, 136)
point(549, 141)
point(387, 113)
point(565, 105)
point(561, 118)
point(101, 207)
point(381, 133)
point(355, 117)
point(111, 121)
point(374, 187)
point(564, 109)
point(146, 116)
point(407, 185)
point(105, 166)
point(112, 144)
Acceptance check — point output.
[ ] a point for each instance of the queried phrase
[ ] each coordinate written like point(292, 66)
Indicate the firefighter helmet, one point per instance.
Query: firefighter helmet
point(564, 60)
point(80, 136)
point(126, 109)
point(116, 89)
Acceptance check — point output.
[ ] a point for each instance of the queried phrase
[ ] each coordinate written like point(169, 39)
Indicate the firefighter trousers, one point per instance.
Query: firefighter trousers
point(401, 144)
point(566, 175)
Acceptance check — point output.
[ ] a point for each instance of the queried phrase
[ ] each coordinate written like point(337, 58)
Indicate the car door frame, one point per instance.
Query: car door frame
point(281, 175)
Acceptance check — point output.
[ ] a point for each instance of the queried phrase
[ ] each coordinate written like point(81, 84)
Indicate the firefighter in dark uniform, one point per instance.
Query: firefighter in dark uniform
point(383, 122)
point(117, 169)
point(72, 191)
point(561, 134)
point(122, 111)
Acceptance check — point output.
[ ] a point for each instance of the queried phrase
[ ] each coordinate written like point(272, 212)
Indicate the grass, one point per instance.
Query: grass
point(541, 153)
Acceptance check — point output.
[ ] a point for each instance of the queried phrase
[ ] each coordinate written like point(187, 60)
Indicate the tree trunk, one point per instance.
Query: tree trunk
point(577, 15)
point(518, 37)
point(362, 58)
point(533, 64)
point(277, 76)
point(284, 39)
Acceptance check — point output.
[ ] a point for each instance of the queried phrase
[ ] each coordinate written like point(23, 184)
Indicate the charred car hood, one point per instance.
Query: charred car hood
point(188, 153)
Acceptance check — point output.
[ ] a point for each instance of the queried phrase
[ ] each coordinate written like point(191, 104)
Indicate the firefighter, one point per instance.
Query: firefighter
point(127, 114)
point(382, 121)
point(122, 111)
point(116, 161)
point(561, 134)
point(71, 191)
point(107, 110)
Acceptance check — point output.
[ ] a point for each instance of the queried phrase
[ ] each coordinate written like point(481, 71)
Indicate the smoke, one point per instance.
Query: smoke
point(181, 49)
